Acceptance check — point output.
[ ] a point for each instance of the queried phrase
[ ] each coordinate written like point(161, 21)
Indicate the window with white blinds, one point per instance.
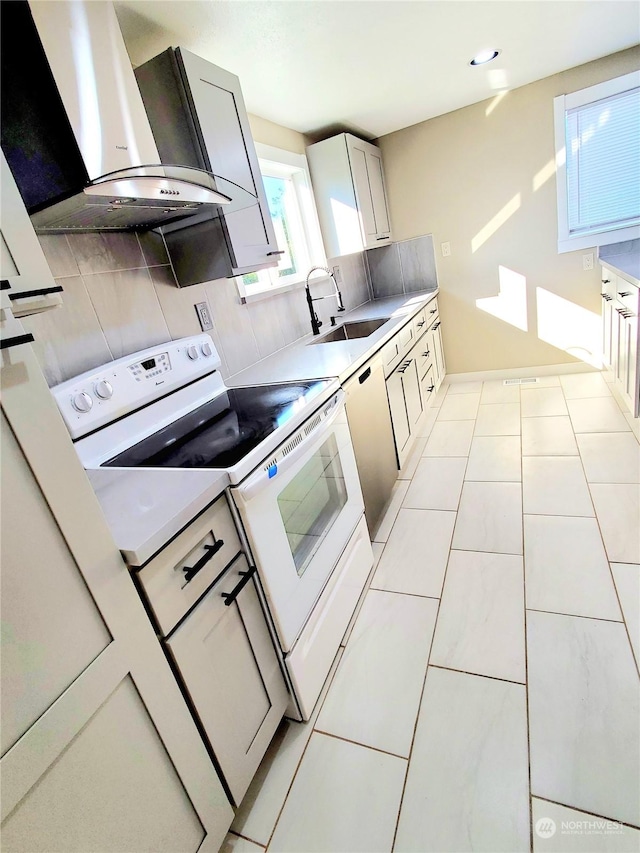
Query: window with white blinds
point(598, 164)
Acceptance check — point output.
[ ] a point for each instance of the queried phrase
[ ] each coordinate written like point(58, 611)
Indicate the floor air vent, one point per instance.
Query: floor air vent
point(527, 381)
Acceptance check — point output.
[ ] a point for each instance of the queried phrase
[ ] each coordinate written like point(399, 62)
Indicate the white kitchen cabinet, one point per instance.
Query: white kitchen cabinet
point(100, 751)
point(198, 118)
point(228, 662)
point(27, 286)
point(620, 308)
point(349, 189)
point(414, 367)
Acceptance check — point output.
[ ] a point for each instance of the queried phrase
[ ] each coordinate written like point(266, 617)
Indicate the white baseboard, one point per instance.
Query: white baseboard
point(517, 372)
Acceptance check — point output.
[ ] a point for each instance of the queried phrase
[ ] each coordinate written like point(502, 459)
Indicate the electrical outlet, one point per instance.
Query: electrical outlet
point(446, 249)
point(204, 315)
point(337, 274)
point(587, 261)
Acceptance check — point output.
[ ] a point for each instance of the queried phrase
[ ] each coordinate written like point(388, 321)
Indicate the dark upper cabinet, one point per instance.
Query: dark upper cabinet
point(198, 118)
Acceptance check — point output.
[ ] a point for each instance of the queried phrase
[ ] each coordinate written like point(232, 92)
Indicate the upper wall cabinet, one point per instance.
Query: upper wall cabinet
point(348, 185)
point(198, 118)
point(27, 285)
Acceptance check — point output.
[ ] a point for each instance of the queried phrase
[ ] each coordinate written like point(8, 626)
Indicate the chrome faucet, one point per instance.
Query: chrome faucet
point(315, 321)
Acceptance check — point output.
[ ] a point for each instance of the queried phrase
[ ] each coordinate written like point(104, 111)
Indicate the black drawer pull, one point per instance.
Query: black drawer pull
point(5, 284)
point(433, 311)
point(606, 281)
point(426, 354)
point(364, 376)
point(606, 297)
point(16, 341)
point(191, 571)
point(421, 323)
point(623, 293)
point(25, 294)
point(230, 597)
point(383, 238)
point(435, 325)
point(431, 388)
point(279, 252)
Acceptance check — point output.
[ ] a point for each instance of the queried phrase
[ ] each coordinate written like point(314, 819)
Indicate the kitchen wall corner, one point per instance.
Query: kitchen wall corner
point(402, 267)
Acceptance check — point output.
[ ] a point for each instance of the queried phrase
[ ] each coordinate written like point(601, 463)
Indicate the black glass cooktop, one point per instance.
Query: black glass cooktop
point(223, 431)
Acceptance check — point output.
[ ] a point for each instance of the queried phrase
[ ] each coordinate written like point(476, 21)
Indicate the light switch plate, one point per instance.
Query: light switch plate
point(446, 249)
point(587, 261)
point(204, 316)
point(337, 274)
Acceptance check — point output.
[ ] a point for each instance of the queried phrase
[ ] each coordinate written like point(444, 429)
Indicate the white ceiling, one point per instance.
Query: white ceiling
point(374, 66)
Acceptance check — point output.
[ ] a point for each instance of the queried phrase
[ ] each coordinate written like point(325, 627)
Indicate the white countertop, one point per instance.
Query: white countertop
point(306, 360)
point(144, 508)
point(626, 264)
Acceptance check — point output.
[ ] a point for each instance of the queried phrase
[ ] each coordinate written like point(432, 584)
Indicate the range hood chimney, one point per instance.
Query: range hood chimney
point(74, 129)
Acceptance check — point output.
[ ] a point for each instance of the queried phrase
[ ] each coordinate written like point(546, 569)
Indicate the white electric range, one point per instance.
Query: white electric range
point(161, 436)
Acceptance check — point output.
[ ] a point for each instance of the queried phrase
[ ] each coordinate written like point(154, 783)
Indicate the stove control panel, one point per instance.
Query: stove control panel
point(99, 396)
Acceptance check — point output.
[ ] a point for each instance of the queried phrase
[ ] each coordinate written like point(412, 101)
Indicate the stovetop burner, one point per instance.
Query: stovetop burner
point(224, 430)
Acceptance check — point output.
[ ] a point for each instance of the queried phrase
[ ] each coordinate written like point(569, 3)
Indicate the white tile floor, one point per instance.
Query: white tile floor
point(490, 681)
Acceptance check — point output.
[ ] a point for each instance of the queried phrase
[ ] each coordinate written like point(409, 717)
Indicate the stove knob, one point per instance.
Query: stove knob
point(192, 352)
point(82, 402)
point(206, 350)
point(103, 389)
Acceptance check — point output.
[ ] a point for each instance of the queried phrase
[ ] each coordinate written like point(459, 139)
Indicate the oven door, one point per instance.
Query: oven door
point(299, 514)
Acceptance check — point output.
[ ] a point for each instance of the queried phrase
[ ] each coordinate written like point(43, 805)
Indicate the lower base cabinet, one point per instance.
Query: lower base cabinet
point(415, 378)
point(620, 342)
point(228, 663)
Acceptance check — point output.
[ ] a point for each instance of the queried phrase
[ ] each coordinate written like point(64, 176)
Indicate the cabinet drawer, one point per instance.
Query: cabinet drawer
point(627, 294)
point(420, 324)
point(423, 355)
point(431, 313)
point(391, 355)
point(175, 579)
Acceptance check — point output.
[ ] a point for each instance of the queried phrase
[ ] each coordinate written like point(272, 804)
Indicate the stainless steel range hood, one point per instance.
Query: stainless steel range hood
point(74, 128)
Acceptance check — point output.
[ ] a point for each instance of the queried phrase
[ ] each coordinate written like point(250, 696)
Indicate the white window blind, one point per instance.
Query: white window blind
point(597, 135)
point(603, 163)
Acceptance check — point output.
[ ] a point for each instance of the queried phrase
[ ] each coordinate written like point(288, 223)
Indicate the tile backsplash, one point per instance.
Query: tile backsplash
point(120, 296)
point(402, 267)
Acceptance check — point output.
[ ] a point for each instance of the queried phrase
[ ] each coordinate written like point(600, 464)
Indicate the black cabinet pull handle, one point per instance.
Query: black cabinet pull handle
point(5, 284)
point(434, 311)
point(383, 238)
point(364, 376)
point(431, 388)
point(16, 341)
point(25, 294)
point(426, 354)
point(435, 325)
point(624, 293)
point(279, 252)
point(606, 281)
point(191, 571)
point(421, 323)
point(230, 597)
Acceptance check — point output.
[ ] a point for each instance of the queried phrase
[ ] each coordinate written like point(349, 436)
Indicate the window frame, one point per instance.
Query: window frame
point(291, 165)
point(568, 242)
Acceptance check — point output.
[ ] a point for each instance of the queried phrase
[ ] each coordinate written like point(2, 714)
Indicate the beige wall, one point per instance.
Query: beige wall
point(269, 133)
point(466, 171)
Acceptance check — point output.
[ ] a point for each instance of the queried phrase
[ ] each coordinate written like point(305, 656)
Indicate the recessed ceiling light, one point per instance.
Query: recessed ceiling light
point(484, 56)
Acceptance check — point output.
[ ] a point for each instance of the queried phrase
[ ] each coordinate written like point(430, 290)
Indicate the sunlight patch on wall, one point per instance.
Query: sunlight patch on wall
point(569, 327)
point(497, 222)
point(347, 224)
point(494, 103)
point(510, 304)
point(547, 171)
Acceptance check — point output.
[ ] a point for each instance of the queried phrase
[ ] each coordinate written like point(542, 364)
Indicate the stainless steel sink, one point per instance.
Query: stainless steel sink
point(351, 331)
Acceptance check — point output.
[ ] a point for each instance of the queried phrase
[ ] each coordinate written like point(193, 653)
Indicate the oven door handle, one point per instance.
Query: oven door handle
point(261, 478)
